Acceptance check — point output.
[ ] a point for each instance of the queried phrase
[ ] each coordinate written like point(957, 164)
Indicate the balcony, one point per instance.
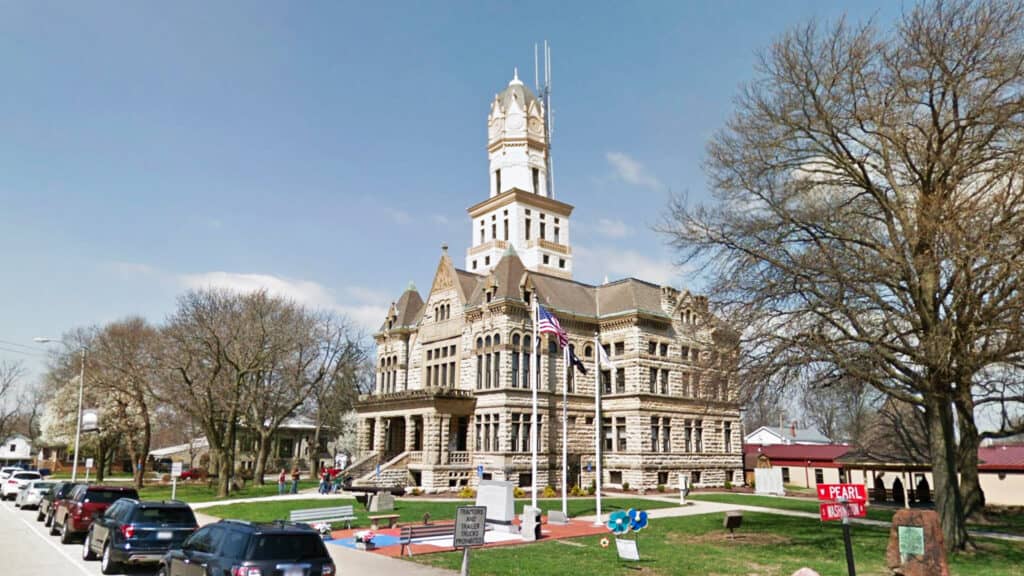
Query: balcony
point(458, 458)
point(487, 246)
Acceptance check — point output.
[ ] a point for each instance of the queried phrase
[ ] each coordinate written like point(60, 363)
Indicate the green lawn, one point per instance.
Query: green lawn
point(768, 545)
point(996, 521)
point(783, 503)
point(412, 509)
point(199, 491)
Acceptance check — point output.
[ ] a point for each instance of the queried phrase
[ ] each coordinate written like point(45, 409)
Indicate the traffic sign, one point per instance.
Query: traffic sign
point(848, 492)
point(840, 510)
point(88, 462)
point(175, 469)
point(470, 525)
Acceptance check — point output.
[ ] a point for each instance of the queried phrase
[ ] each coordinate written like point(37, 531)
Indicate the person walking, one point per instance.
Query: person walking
point(325, 482)
point(295, 480)
point(280, 481)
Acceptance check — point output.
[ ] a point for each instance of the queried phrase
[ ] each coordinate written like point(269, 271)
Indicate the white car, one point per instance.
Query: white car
point(9, 487)
point(32, 494)
point(6, 471)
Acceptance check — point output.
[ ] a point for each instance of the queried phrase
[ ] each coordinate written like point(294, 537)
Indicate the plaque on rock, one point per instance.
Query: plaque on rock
point(382, 502)
point(916, 545)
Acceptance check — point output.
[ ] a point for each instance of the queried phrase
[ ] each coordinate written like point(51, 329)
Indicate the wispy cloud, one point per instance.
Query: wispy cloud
point(613, 228)
point(595, 263)
point(441, 219)
point(364, 306)
point(631, 171)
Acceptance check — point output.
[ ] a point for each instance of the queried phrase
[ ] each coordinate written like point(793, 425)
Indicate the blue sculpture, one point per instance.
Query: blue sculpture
point(618, 522)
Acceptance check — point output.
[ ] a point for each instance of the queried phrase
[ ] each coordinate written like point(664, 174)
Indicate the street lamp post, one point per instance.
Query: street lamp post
point(81, 390)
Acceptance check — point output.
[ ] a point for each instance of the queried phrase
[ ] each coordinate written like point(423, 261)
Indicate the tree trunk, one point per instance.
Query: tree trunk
point(971, 494)
point(262, 450)
point(139, 468)
point(944, 459)
point(314, 453)
point(101, 460)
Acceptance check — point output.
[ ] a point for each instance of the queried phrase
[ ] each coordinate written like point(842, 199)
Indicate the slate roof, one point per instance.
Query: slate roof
point(517, 90)
point(563, 296)
point(408, 309)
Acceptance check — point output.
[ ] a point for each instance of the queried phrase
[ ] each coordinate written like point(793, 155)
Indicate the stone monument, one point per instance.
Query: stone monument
point(382, 502)
point(497, 496)
point(529, 523)
point(916, 545)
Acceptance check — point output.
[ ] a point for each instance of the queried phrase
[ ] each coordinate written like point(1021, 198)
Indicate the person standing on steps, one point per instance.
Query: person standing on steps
point(280, 481)
point(295, 480)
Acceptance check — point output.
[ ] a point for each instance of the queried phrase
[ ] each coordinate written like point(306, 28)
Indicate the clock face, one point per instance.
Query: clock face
point(535, 125)
point(515, 122)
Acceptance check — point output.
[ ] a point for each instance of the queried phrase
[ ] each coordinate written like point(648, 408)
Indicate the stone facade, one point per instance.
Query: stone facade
point(452, 398)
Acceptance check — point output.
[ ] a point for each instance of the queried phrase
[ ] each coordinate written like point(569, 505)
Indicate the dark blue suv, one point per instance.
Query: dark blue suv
point(137, 532)
point(250, 549)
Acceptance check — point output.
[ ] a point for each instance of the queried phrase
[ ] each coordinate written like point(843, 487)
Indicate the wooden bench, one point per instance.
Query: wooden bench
point(411, 533)
point(375, 520)
point(336, 514)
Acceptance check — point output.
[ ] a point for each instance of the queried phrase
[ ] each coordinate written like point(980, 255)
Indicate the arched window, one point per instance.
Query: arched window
point(588, 351)
point(487, 342)
point(479, 343)
point(497, 339)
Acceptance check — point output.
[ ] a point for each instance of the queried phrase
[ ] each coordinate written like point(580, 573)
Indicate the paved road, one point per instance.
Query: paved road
point(27, 549)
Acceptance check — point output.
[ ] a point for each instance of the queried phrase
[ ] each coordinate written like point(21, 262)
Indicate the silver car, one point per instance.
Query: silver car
point(32, 494)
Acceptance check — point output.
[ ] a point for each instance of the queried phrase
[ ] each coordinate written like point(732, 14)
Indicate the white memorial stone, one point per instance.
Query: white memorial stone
point(497, 496)
point(768, 481)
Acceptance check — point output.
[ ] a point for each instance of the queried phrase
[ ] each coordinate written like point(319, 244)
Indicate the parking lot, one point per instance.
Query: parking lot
point(27, 549)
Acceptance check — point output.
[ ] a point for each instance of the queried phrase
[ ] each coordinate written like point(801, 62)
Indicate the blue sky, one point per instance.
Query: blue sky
point(326, 150)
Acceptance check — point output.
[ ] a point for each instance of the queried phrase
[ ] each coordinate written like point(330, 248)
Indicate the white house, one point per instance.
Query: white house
point(771, 435)
point(16, 449)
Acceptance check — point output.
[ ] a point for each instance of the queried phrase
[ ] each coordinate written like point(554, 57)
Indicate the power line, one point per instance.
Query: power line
point(9, 343)
point(25, 352)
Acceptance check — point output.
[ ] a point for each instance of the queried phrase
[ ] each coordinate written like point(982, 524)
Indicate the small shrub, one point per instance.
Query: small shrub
point(728, 485)
point(625, 486)
point(467, 492)
point(549, 492)
point(518, 492)
point(576, 491)
point(592, 488)
point(416, 491)
point(661, 487)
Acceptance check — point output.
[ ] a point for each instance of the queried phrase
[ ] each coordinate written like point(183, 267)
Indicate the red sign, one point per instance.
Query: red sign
point(838, 511)
point(849, 492)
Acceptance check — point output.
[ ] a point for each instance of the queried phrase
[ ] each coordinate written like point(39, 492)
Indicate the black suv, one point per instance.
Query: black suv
point(134, 532)
point(246, 549)
point(46, 506)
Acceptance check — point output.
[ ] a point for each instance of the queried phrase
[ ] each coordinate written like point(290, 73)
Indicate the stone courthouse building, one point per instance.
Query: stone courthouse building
point(452, 399)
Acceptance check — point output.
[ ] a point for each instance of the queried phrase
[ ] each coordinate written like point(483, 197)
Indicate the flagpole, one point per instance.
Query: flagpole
point(533, 429)
point(565, 429)
point(597, 426)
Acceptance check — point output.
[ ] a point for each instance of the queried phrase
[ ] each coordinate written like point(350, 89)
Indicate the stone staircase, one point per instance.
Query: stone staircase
point(366, 464)
point(394, 472)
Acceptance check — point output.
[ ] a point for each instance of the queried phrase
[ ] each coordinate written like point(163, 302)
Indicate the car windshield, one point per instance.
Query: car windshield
point(164, 516)
point(288, 547)
point(42, 485)
point(108, 496)
point(26, 476)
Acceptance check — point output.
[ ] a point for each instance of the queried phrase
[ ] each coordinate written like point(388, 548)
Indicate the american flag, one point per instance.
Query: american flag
point(548, 324)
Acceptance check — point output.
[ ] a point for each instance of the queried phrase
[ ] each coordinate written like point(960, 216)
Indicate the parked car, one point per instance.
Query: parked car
point(133, 532)
point(192, 474)
point(31, 495)
point(8, 470)
point(49, 502)
point(10, 486)
point(250, 549)
point(74, 514)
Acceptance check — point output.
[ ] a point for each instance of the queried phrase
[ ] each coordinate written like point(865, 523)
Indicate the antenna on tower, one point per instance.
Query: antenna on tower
point(544, 91)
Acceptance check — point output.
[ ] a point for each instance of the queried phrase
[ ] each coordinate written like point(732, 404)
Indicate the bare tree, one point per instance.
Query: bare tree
point(216, 346)
point(332, 400)
point(11, 375)
point(837, 409)
point(868, 223)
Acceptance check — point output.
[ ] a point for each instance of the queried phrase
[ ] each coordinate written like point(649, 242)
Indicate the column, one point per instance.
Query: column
point(410, 432)
point(445, 423)
point(362, 438)
point(378, 434)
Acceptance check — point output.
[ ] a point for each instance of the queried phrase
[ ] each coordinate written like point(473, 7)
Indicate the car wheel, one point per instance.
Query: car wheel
point(40, 516)
point(163, 571)
point(54, 530)
point(107, 564)
point(65, 533)
point(87, 553)
point(48, 521)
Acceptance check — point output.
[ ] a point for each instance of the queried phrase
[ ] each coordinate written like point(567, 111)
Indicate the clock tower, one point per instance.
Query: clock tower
point(519, 212)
